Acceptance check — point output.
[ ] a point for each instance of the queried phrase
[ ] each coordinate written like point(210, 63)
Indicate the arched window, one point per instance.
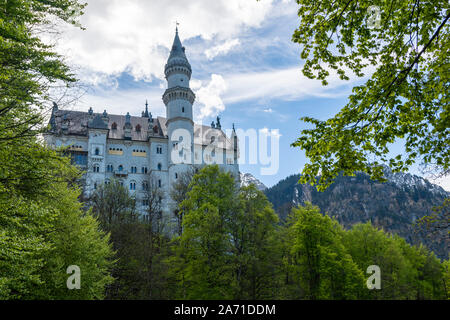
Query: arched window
point(132, 185)
point(97, 151)
point(96, 168)
point(159, 166)
point(114, 126)
point(182, 109)
point(155, 129)
point(120, 168)
point(138, 128)
point(109, 168)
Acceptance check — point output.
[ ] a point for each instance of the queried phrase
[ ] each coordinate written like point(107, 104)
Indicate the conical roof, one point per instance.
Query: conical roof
point(177, 55)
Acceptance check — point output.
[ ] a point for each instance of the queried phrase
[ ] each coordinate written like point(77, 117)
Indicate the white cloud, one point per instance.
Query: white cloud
point(268, 110)
point(135, 36)
point(123, 101)
point(208, 97)
point(284, 84)
point(274, 132)
point(221, 49)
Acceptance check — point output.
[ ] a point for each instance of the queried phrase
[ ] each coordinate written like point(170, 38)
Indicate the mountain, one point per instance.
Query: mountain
point(394, 205)
point(247, 179)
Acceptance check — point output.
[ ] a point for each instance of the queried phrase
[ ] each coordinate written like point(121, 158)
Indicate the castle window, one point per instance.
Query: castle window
point(109, 168)
point(133, 169)
point(95, 185)
point(176, 175)
point(159, 183)
point(96, 168)
point(97, 151)
point(182, 109)
point(155, 129)
point(132, 185)
point(120, 168)
point(159, 150)
point(138, 128)
point(159, 166)
point(114, 126)
point(213, 138)
point(145, 186)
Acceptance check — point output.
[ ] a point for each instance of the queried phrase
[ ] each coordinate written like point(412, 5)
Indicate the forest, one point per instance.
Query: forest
point(223, 242)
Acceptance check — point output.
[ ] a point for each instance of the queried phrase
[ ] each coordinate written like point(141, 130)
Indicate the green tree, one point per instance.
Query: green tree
point(406, 97)
point(318, 264)
point(202, 265)
point(111, 203)
point(43, 231)
point(407, 272)
point(255, 241)
point(76, 240)
point(178, 193)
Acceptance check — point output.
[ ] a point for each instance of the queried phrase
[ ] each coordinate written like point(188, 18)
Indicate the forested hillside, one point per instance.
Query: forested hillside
point(395, 205)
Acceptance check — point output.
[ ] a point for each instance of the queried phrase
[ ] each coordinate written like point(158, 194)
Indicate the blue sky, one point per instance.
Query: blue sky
point(245, 67)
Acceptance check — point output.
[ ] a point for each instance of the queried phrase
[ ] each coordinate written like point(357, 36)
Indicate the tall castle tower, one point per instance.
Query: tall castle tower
point(179, 99)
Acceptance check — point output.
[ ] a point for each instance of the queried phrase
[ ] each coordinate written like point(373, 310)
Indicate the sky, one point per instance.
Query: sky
point(245, 68)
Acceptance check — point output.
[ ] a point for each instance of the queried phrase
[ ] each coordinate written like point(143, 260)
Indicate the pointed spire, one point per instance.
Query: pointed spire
point(145, 113)
point(177, 57)
point(53, 117)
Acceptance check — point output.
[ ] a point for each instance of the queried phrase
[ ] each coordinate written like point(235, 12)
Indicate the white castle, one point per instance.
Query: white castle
point(135, 149)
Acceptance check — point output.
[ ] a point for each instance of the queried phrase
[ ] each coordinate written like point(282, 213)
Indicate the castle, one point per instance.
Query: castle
point(138, 150)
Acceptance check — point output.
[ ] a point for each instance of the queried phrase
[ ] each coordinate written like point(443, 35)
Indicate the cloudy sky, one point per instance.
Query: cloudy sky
point(245, 67)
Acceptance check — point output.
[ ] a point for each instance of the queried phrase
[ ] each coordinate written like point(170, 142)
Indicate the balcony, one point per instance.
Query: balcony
point(121, 173)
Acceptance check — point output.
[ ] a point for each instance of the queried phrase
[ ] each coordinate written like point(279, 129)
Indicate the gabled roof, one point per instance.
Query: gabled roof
point(78, 123)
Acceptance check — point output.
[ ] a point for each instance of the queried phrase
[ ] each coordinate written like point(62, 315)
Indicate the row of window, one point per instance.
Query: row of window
point(138, 127)
point(158, 150)
point(132, 185)
point(110, 168)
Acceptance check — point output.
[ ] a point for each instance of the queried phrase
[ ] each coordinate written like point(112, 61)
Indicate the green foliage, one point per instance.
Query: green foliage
point(229, 245)
point(205, 247)
point(407, 272)
point(140, 246)
point(256, 246)
point(318, 264)
point(405, 98)
point(42, 227)
point(112, 203)
point(76, 240)
point(44, 230)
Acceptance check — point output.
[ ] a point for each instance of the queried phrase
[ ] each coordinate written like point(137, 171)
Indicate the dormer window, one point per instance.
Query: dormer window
point(138, 128)
point(155, 129)
point(114, 126)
